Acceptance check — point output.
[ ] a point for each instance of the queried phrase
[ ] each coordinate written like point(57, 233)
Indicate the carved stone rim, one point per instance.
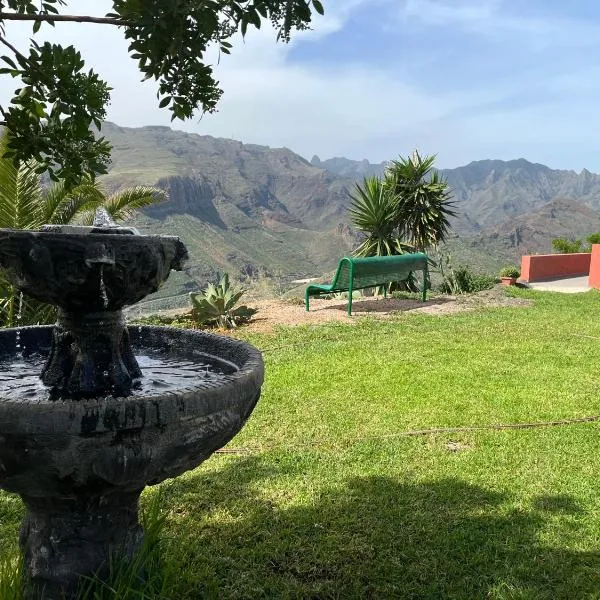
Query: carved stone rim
point(117, 237)
point(249, 376)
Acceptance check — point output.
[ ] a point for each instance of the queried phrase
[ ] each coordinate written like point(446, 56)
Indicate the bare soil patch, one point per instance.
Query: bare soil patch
point(274, 312)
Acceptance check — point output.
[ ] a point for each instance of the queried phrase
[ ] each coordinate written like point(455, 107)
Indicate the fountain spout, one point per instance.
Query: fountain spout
point(99, 254)
point(102, 218)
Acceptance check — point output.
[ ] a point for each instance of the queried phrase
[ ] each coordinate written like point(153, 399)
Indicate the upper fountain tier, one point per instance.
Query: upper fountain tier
point(90, 273)
point(88, 269)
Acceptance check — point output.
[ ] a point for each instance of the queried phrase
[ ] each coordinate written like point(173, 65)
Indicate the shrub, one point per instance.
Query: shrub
point(510, 271)
point(294, 301)
point(216, 305)
point(340, 295)
point(399, 295)
point(463, 281)
point(593, 239)
point(183, 320)
point(565, 246)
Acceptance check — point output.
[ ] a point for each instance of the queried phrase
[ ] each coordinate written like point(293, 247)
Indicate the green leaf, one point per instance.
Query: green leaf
point(9, 61)
point(169, 45)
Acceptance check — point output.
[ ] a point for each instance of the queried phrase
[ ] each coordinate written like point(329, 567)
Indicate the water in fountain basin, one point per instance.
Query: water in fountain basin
point(19, 376)
point(103, 293)
point(19, 317)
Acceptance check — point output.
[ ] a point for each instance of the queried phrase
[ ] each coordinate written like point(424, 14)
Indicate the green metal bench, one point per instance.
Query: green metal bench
point(359, 273)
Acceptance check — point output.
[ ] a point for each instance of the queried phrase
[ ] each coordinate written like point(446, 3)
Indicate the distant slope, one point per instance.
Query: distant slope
point(250, 210)
point(533, 232)
point(489, 191)
point(207, 170)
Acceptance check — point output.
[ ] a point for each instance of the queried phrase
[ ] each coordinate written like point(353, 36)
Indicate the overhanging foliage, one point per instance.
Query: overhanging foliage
point(51, 114)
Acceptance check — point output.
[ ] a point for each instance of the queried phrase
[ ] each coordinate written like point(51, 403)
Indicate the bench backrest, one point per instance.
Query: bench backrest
point(376, 270)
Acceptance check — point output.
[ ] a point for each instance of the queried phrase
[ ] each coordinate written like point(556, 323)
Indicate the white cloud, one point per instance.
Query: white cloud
point(360, 110)
point(495, 18)
point(268, 100)
point(444, 12)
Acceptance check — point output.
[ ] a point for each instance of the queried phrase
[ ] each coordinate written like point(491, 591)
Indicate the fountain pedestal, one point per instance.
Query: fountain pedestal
point(64, 536)
point(91, 355)
point(80, 465)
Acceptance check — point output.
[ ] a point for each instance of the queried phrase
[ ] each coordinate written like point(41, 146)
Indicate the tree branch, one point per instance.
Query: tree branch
point(69, 18)
point(14, 50)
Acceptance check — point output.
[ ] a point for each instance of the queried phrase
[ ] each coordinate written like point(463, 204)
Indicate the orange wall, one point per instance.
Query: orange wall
point(538, 267)
point(594, 281)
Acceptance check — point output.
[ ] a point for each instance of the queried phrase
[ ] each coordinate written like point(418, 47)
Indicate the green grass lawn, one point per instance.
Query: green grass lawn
point(327, 499)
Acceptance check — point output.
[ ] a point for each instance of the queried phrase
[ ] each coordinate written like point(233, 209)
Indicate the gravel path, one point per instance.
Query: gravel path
point(274, 312)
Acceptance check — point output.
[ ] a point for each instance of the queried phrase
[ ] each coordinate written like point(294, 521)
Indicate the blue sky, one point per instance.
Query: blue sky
point(465, 79)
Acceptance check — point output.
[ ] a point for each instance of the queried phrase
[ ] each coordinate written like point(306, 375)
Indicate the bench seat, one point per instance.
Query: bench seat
point(360, 273)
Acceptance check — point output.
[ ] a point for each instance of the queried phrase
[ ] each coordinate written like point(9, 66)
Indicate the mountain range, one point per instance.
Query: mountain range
point(268, 216)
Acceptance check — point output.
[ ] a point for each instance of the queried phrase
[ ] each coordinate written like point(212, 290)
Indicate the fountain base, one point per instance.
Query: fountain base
point(79, 464)
point(62, 538)
point(91, 353)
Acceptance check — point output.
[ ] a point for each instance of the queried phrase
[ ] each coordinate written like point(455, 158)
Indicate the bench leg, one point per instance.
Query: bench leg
point(306, 300)
point(425, 278)
point(350, 301)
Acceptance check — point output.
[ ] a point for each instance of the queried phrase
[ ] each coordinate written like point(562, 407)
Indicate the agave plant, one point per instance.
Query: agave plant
point(216, 305)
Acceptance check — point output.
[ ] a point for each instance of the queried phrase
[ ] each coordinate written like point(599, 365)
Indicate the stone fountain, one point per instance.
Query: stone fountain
point(92, 411)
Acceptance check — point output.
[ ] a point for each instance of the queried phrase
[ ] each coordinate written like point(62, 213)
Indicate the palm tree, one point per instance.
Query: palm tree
point(25, 204)
point(422, 199)
point(372, 211)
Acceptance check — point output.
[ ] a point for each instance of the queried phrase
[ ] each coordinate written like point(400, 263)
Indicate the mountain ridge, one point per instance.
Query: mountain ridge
point(488, 190)
point(533, 232)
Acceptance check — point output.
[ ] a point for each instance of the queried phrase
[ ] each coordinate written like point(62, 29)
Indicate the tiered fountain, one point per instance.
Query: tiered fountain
point(91, 410)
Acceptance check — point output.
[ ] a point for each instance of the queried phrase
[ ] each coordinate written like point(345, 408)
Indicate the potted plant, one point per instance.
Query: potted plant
point(509, 275)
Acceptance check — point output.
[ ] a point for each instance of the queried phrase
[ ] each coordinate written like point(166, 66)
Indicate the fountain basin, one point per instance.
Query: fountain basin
point(80, 465)
point(48, 447)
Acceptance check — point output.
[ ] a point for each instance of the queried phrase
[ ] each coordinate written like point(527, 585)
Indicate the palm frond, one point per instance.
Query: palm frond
point(26, 204)
point(61, 205)
point(123, 204)
point(412, 169)
point(423, 199)
point(19, 191)
point(372, 211)
point(8, 185)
